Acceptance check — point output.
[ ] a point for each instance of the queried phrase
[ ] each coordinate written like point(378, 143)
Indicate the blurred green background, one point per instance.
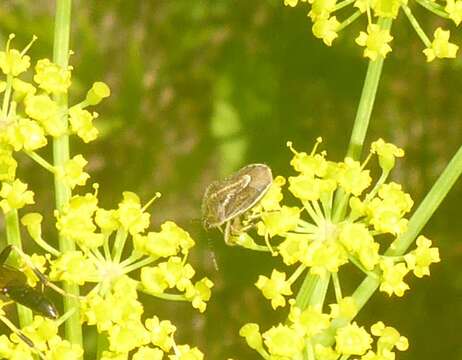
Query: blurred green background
point(200, 88)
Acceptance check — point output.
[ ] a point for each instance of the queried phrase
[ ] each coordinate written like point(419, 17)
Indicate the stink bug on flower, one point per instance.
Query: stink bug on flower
point(225, 200)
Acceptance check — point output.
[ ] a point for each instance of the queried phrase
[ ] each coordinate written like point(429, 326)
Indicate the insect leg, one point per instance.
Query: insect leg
point(22, 336)
point(42, 278)
point(5, 253)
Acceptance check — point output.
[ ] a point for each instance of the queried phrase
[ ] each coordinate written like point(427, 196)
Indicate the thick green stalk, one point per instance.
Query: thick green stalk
point(14, 238)
point(366, 103)
point(308, 291)
point(60, 156)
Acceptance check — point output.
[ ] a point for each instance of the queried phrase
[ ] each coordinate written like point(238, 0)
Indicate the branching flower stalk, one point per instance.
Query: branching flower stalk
point(321, 244)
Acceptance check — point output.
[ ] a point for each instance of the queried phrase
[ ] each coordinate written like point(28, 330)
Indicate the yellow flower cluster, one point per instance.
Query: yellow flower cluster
point(376, 38)
point(319, 238)
point(110, 245)
point(303, 330)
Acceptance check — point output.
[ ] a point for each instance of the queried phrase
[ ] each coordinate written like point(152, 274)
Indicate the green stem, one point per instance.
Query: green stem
point(415, 24)
point(13, 237)
point(366, 102)
point(73, 329)
point(363, 116)
point(434, 8)
point(313, 291)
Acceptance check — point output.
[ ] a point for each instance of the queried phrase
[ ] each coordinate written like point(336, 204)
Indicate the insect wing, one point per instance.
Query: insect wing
point(224, 200)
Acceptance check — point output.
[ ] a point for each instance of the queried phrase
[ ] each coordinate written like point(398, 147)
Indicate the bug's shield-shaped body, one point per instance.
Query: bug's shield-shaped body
point(226, 199)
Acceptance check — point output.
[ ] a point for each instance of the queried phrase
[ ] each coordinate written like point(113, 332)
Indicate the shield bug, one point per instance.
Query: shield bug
point(225, 200)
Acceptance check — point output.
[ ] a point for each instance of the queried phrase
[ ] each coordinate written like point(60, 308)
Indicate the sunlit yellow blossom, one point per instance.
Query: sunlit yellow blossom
point(106, 220)
point(27, 134)
point(440, 46)
point(161, 333)
point(392, 277)
point(326, 29)
point(310, 321)
point(274, 288)
point(387, 152)
point(313, 164)
point(389, 337)
point(346, 308)
point(73, 266)
point(144, 353)
point(279, 222)
point(352, 340)
point(321, 9)
point(51, 77)
point(292, 2)
point(81, 122)
point(375, 41)
point(305, 187)
point(199, 293)
point(13, 63)
point(273, 196)
point(15, 196)
point(352, 178)
point(251, 333)
point(454, 10)
point(185, 352)
point(75, 221)
point(387, 8)
point(45, 111)
point(325, 353)
point(130, 213)
point(33, 221)
point(168, 242)
point(8, 166)
point(64, 350)
point(22, 88)
point(283, 341)
point(109, 355)
point(127, 336)
point(386, 218)
point(72, 171)
point(420, 259)
point(293, 249)
point(98, 92)
point(325, 256)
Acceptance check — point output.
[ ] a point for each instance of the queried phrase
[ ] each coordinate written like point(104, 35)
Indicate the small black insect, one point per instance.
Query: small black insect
point(13, 284)
point(225, 200)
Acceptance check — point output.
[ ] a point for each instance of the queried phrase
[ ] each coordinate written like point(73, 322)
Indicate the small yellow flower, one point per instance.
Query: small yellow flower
point(12, 62)
point(326, 29)
point(98, 92)
point(279, 222)
point(420, 259)
point(352, 340)
point(352, 178)
point(81, 122)
point(387, 152)
point(375, 41)
point(440, 46)
point(283, 342)
point(15, 196)
point(51, 77)
point(392, 277)
point(72, 171)
point(251, 333)
point(275, 288)
point(292, 3)
point(454, 10)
